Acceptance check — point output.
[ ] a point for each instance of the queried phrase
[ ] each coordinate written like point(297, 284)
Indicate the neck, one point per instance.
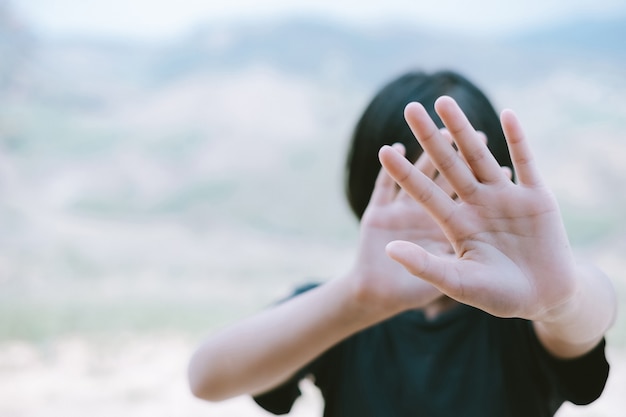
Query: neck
point(438, 306)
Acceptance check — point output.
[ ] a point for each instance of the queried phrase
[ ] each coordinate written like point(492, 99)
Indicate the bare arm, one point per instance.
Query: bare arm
point(261, 352)
point(513, 257)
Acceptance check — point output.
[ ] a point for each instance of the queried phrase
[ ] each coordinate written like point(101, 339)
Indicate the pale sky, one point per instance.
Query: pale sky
point(158, 19)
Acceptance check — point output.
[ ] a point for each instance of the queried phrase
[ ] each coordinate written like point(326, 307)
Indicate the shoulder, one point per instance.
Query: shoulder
point(300, 289)
point(579, 380)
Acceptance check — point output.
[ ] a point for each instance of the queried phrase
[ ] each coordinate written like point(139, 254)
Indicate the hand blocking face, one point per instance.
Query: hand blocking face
point(512, 253)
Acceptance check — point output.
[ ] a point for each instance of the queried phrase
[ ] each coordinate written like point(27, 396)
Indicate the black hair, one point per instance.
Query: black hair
point(382, 123)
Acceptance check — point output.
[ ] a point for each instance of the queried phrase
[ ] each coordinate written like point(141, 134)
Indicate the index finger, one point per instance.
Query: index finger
point(470, 143)
point(442, 154)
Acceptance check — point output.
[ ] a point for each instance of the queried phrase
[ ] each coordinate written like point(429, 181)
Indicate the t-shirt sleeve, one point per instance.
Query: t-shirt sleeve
point(280, 399)
point(583, 379)
point(579, 380)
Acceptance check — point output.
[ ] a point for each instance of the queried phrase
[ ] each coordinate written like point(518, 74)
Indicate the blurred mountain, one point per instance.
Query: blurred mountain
point(603, 38)
point(316, 48)
point(92, 97)
point(308, 47)
point(587, 44)
point(16, 45)
point(125, 163)
point(311, 48)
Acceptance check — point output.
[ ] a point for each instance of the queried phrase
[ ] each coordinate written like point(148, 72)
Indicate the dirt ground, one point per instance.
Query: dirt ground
point(145, 376)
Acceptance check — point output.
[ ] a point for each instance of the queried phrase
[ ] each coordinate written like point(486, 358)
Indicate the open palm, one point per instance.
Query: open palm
point(393, 215)
point(512, 253)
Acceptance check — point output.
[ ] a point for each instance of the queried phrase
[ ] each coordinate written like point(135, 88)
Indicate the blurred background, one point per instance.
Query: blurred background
point(167, 168)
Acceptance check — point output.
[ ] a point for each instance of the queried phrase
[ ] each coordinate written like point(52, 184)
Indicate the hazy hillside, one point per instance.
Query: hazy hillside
point(15, 48)
point(604, 39)
point(151, 193)
point(321, 49)
point(126, 167)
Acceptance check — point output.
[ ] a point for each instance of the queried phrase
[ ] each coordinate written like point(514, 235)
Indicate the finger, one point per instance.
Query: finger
point(508, 172)
point(475, 152)
point(421, 188)
point(425, 165)
point(521, 155)
point(447, 135)
point(385, 189)
point(483, 139)
point(441, 182)
point(442, 154)
point(436, 270)
point(440, 179)
point(482, 136)
point(400, 148)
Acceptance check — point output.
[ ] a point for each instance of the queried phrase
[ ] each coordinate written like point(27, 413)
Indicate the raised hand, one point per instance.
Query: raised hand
point(391, 215)
point(513, 258)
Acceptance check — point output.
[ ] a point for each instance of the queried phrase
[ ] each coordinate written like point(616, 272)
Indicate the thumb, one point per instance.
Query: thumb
point(419, 262)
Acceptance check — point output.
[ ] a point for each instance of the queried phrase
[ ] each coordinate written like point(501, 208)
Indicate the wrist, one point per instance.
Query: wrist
point(366, 299)
point(579, 323)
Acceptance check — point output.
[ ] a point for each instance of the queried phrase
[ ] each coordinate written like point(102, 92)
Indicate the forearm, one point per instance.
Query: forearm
point(576, 327)
point(262, 351)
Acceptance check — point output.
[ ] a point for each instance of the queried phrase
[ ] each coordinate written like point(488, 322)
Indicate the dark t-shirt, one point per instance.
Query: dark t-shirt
point(464, 362)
